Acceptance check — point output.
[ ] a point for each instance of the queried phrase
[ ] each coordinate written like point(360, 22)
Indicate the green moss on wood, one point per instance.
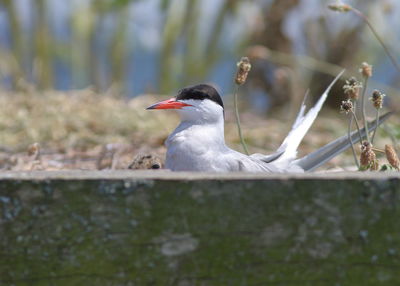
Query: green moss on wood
point(199, 232)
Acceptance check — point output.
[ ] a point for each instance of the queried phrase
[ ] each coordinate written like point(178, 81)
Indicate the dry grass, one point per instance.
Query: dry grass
point(85, 130)
point(80, 126)
point(78, 119)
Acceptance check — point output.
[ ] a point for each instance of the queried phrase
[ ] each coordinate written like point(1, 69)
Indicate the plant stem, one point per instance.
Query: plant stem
point(365, 19)
point(358, 126)
point(238, 119)
point(351, 143)
point(363, 108)
point(378, 150)
point(377, 124)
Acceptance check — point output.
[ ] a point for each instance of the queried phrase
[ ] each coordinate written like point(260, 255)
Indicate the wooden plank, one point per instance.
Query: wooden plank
point(164, 228)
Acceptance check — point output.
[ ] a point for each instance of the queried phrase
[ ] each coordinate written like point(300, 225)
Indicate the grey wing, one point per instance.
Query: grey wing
point(266, 164)
point(240, 162)
point(256, 163)
point(252, 164)
point(267, 158)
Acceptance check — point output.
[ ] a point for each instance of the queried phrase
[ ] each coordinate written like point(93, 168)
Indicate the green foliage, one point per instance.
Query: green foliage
point(387, 167)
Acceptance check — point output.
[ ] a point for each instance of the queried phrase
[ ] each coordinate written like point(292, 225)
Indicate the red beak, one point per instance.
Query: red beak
point(168, 104)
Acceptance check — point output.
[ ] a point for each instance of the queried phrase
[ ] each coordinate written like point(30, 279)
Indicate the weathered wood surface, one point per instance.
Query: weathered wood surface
point(163, 228)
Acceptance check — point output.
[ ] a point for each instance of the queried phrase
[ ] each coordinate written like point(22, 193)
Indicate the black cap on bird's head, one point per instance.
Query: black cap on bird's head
point(200, 92)
point(195, 92)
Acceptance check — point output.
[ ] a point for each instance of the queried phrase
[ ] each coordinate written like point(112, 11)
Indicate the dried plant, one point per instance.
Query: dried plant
point(35, 158)
point(368, 159)
point(351, 89)
point(243, 68)
point(366, 71)
point(34, 151)
point(348, 108)
point(339, 7)
point(392, 157)
point(377, 101)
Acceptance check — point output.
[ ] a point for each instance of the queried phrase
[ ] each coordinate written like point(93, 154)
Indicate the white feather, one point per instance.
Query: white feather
point(301, 126)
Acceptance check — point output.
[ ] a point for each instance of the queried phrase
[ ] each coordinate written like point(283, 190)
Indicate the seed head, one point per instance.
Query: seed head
point(366, 70)
point(377, 99)
point(346, 106)
point(366, 146)
point(352, 88)
point(339, 7)
point(368, 158)
point(392, 157)
point(34, 151)
point(243, 68)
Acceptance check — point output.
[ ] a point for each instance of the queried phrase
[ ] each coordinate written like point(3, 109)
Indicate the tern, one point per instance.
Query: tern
point(198, 143)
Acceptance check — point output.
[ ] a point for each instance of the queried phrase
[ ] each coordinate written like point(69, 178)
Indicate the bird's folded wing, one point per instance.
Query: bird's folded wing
point(267, 158)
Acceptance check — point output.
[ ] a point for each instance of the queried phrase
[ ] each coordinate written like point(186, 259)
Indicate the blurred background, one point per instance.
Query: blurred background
point(159, 46)
point(126, 48)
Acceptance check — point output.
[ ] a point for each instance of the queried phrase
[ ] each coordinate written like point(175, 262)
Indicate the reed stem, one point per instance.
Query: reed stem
point(238, 120)
point(376, 126)
point(363, 108)
point(350, 141)
point(358, 126)
point(365, 19)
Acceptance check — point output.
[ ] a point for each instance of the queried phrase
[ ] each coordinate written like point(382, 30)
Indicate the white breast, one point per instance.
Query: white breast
point(193, 148)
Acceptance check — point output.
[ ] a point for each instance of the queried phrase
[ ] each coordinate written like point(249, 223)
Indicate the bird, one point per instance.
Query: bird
point(198, 143)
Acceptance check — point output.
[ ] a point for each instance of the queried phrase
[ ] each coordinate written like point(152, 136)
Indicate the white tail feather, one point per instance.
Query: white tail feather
point(301, 125)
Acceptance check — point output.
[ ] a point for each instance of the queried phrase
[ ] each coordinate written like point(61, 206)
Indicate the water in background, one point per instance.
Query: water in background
point(90, 44)
point(153, 45)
